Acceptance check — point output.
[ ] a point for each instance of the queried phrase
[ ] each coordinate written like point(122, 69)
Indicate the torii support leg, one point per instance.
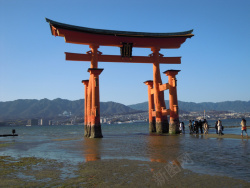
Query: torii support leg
point(89, 105)
point(86, 83)
point(149, 83)
point(161, 121)
point(173, 102)
point(95, 128)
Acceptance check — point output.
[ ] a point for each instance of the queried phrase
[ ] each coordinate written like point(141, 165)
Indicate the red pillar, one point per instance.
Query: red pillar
point(89, 102)
point(173, 102)
point(94, 53)
point(161, 122)
point(86, 83)
point(149, 83)
point(95, 128)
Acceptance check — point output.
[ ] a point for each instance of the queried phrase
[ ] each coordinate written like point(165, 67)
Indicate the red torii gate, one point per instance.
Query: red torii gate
point(158, 121)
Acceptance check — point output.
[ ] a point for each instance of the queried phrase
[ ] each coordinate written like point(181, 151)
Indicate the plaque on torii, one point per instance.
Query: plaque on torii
point(126, 41)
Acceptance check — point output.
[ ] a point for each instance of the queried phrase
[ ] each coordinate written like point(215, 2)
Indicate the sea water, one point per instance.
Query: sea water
point(214, 156)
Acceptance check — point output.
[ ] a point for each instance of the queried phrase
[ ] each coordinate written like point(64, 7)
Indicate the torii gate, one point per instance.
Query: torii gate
point(158, 121)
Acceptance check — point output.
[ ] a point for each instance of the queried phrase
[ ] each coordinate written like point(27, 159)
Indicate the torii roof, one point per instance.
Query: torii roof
point(84, 35)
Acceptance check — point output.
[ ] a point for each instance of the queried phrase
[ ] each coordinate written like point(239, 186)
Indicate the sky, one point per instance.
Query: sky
point(215, 62)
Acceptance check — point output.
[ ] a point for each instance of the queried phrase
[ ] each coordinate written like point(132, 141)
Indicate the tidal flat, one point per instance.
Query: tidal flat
point(4, 144)
point(35, 172)
point(232, 136)
point(127, 156)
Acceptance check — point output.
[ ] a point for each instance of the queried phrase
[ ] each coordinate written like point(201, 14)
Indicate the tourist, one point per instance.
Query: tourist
point(193, 126)
point(196, 128)
point(190, 125)
point(243, 126)
point(205, 125)
point(200, 126)
point(216, 127)
point(219, 125)
point(182, 128)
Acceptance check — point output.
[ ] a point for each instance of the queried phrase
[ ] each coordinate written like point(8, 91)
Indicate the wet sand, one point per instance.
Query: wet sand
point(4, 144)
point(35, 172)
point(233, 136)
point(126, 160)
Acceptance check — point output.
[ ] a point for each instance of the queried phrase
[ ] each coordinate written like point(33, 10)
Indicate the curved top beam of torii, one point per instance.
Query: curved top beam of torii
point(90, 36)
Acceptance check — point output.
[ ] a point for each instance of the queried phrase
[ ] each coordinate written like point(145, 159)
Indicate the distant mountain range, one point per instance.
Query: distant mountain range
point(236, 106)
point(26, 108)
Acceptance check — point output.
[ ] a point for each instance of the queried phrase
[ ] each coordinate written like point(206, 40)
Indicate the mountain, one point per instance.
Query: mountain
point(26, 108)
point(108, 108)
point(237, 106)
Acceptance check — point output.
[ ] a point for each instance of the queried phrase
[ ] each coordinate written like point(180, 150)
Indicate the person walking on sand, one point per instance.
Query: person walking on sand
point(196, 128)
point(190, 125)
point(219, 125)
point(216, 127)
point(243, 126)
point(193, 126)
point(182, 128)
point(205, 127)
point(200, 126)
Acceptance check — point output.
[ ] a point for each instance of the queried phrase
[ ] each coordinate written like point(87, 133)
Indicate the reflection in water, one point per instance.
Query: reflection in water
point(223, 156)
point(163, 148)
point(92, 149)
point(244, 145)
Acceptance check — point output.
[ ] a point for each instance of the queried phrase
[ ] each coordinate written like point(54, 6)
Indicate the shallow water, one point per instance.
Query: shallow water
point(228, 157)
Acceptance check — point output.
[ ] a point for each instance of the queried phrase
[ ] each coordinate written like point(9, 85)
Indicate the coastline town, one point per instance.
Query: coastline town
point(67, 118)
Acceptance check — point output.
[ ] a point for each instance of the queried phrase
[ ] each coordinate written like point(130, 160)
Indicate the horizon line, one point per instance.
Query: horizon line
point(125, 104)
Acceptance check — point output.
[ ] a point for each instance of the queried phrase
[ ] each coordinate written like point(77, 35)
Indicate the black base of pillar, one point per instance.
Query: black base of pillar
point(162, 127)
point(165, 125)
point(174, 127)
point(96, 131)
point(159, 127)
point(85, 131)
point(152, 128)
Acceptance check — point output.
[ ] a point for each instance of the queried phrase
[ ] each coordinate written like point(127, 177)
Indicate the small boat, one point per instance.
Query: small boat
point(4, 135)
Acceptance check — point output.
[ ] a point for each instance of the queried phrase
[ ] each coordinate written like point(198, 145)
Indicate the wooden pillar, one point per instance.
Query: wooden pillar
point(95, 129)
point(94, 53)
point(173, 102)
point(149, 83)
point(161, 122)
point(86, 83)
point(89, 104)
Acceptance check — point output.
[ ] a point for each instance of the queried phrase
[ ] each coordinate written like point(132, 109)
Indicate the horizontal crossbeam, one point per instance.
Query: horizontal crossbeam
point(117, 58)
point(164, 87)
point(165, 112)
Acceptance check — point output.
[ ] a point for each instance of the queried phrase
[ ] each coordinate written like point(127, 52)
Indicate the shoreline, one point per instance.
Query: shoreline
point(35, 172)
point(230, 136)
point(123, 160)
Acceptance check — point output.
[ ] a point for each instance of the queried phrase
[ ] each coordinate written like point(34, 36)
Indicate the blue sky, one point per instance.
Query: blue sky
point(215, 62)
